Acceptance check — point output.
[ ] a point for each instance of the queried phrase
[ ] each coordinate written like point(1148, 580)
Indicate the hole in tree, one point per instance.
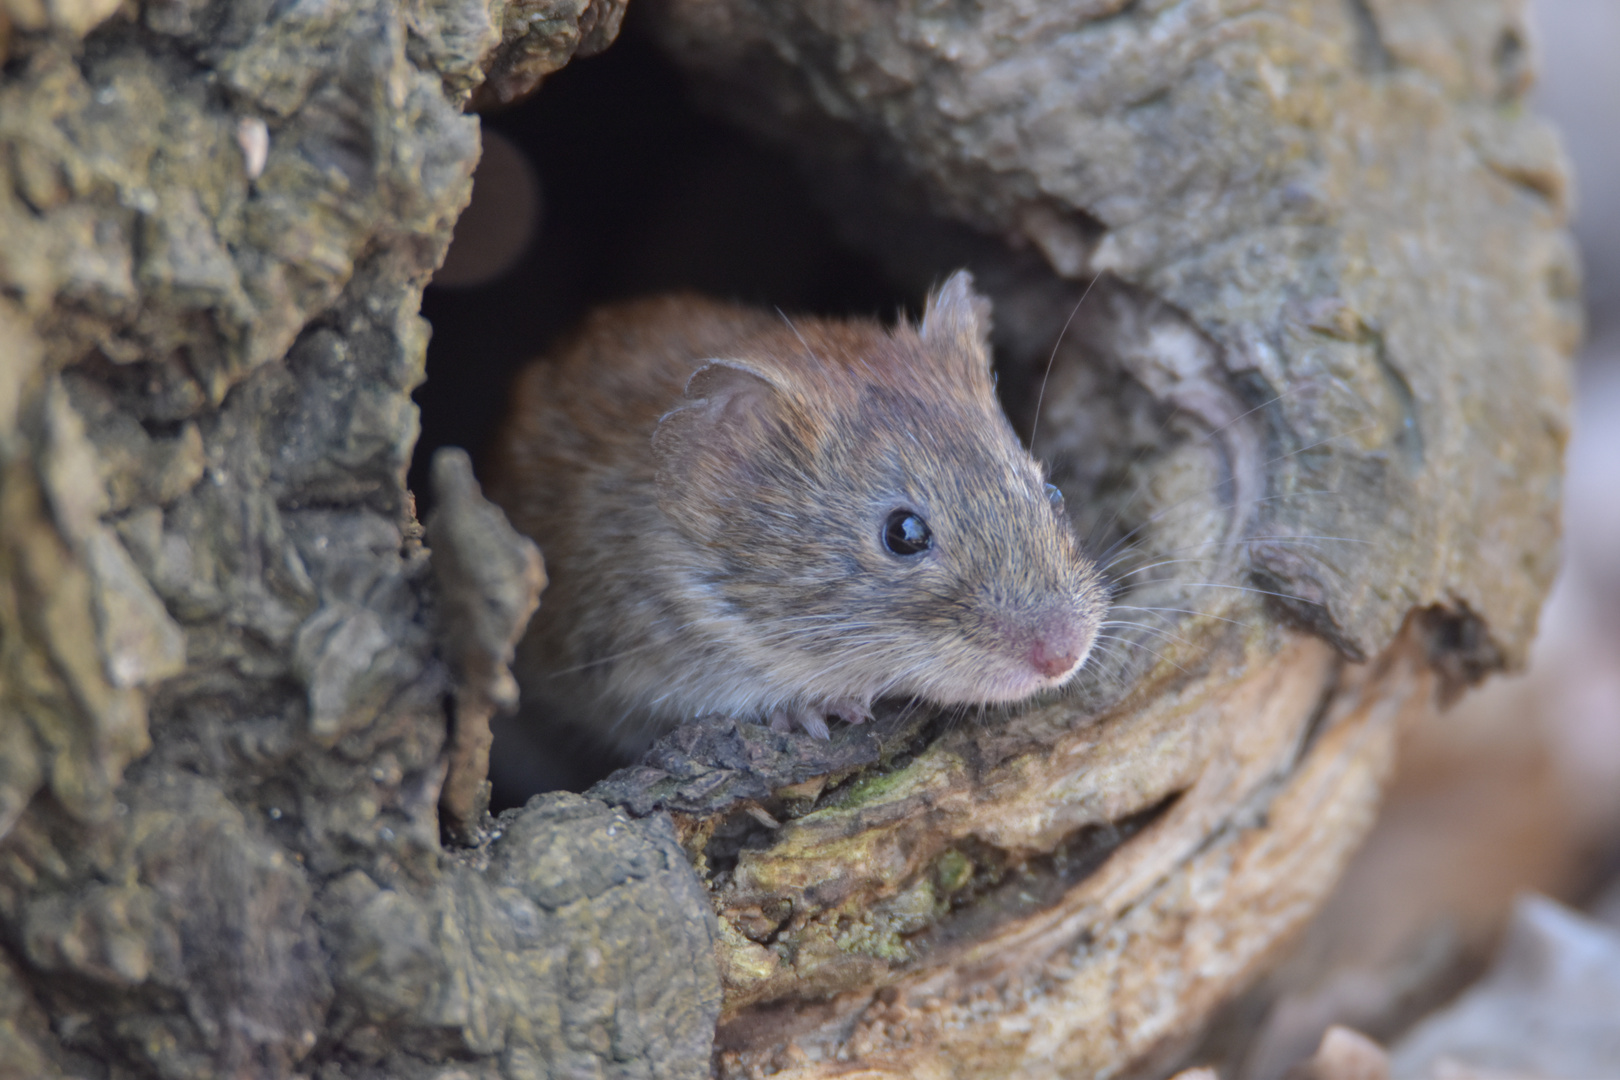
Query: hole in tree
point(630, 191)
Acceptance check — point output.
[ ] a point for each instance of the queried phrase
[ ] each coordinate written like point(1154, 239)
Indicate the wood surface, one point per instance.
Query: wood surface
point(1324, 352)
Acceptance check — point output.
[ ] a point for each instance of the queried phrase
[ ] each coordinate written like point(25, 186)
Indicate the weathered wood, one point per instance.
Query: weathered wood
point(223, 708)
point(490, 579)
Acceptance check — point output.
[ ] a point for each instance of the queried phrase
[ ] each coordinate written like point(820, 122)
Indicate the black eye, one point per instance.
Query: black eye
point(1055, 497)
point(906, 534)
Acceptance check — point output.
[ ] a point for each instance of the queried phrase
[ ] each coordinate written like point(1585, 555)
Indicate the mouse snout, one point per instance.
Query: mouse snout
point(1053, 658)
point(1057, 647)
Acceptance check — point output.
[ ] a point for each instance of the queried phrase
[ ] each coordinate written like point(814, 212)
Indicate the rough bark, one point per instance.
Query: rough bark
point(1325, 354)
point(225, 715)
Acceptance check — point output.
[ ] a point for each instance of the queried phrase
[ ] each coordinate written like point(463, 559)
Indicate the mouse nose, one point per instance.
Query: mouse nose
point(1053, 659)
point(1057, 649)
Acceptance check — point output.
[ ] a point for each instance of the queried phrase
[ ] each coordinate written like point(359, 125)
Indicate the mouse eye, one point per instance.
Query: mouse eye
point(906, 534)
point(1055, 497)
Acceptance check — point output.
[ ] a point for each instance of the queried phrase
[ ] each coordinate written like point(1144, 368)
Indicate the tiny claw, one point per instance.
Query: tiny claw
point(815, 725)
point(850, 712)
point(781, 722)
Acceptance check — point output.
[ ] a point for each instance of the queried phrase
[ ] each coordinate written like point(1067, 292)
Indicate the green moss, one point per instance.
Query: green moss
point(952, 871)
point(873, 935)
point(869, 788)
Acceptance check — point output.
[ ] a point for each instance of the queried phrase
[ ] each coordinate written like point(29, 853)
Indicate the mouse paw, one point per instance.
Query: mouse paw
point(814, 720)
point(850, 711)
point(808, 719)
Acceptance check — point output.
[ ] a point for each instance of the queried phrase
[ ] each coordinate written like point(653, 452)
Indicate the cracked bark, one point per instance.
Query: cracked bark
point(239, 829)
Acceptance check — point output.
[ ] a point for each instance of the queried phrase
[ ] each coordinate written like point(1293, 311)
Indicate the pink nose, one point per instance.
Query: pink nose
point(1054, 655)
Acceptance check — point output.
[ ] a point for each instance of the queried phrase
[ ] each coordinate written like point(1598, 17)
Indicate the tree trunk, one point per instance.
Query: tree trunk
point(1297, 271)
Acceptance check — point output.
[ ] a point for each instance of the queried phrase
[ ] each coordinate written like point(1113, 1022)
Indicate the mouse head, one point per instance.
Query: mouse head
point(862, 519)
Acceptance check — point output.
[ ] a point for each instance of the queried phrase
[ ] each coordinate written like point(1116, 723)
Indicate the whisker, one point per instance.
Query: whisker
point(1155, 566)
point(1150, 651)
point(1145, 628)
point(1142, 486)
point(808, 351)
point(1183, 502)
point(1178, 611)
point(1107, 557)
point(1204, 438)
point(1301, 539)
point(1166, 639)
point(1319, 442)
point(1035, 425)
point(1248, 589)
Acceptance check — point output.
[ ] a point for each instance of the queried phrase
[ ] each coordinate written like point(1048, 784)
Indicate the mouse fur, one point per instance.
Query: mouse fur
point(712, 485)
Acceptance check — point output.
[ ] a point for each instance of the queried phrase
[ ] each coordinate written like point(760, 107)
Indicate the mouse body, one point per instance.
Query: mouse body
point(783, 521)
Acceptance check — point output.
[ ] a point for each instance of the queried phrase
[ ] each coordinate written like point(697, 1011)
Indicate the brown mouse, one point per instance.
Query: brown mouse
point(784, 520)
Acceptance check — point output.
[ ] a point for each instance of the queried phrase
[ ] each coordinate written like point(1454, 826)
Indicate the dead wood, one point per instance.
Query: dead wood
point(1317, 390)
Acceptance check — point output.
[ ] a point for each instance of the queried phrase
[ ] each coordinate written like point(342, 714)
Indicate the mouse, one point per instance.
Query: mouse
point(783, 520)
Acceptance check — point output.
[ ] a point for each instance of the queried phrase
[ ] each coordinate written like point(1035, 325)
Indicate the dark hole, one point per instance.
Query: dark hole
point(1460, 648)
point(1511, 59)
point(638, 194)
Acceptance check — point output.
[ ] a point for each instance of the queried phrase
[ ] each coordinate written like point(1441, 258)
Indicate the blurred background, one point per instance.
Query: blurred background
point(1515, 789)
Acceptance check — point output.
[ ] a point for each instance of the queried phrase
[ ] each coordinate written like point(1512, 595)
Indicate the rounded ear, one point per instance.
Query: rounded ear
point(706, 446)
point(956, 322)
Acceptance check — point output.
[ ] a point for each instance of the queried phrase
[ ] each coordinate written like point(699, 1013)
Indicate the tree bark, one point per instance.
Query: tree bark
point(1297, 269)
point(225, 713)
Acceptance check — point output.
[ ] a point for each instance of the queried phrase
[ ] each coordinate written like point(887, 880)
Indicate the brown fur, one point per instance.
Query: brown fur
point(709, 485)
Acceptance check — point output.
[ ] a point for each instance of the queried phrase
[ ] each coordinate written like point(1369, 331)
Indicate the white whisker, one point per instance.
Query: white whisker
point(1035, 424)
point(1247, 589)
point(1179, 611)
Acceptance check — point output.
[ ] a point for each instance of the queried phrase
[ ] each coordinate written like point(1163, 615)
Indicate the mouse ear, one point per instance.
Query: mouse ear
point(956, 321)
point(704, 446)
